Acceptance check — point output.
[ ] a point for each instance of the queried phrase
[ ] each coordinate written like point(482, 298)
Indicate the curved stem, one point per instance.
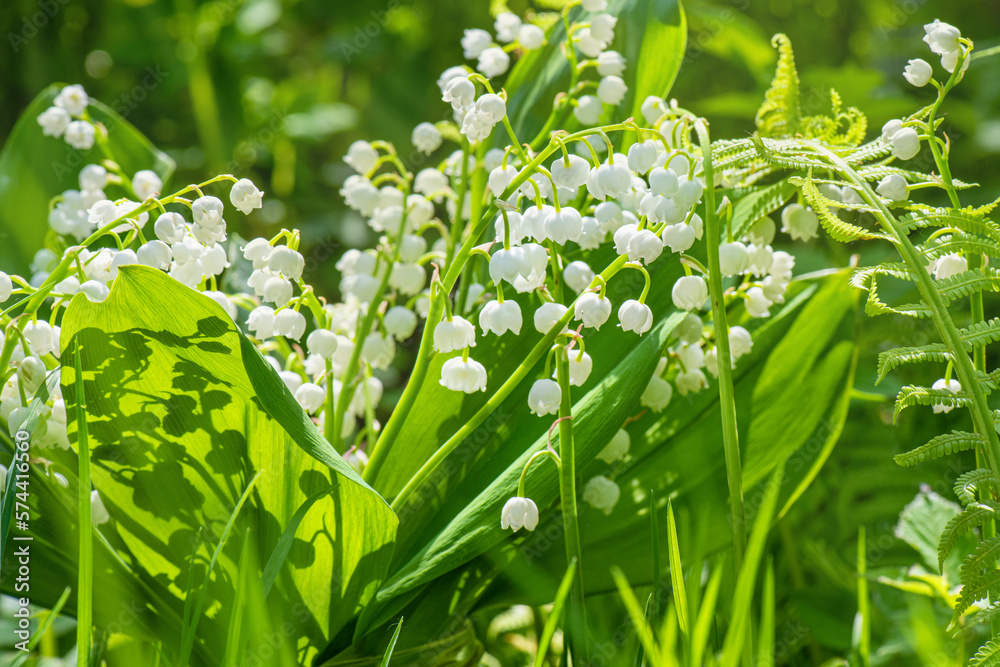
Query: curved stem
point(727, 400)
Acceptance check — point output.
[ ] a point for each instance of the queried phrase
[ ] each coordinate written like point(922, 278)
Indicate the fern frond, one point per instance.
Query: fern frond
point(952, 243)
point(981, 333)
point(983, 556)
point(988, 654)
point(974, 516)
point(977, 589)
point(891, 359)
point(911, 395)
point(969, 483)
point(968, 282)
point(942, 445)
point(969, 224)
point(779, 115)
point(873, 150)
point(877, 172)
point(982, 616)
point(839, 230)
point(860, 277)
point(875, 306)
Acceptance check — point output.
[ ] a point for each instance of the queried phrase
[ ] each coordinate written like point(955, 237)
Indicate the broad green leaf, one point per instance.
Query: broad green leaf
point(35, 168)
point(183, 413)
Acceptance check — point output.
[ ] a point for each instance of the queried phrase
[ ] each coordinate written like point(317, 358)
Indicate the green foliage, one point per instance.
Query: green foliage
point(192, 412)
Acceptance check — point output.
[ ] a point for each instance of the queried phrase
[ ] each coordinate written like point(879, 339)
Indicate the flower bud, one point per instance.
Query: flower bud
point(905, 143)
point(588, 110)
point(146, 183)
point(893, 187)
point(98, 512)
point(689, 293)
point(400, 322)
point(362, 157)
point(690, 382)
point(918, 72)
point(578, 276)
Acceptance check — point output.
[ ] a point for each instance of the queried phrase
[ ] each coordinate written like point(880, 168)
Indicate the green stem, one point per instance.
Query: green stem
point(727, 399)
point(576, 617)
point(84, 604)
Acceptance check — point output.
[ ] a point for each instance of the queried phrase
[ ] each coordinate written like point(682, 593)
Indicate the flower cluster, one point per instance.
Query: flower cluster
point(68, 118)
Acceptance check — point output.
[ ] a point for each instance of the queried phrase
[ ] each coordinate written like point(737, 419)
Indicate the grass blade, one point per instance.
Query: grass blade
point(284, 545)
point(7, 501)
point(862, 622)
point(765, 646)
point(636, 615)
point(703, 624)
point(85, 582)
point(392, 644)
point(676, 571)
point(736, 637)
point(187, 640)
point(42, 629)
point(234, 636)
point(553, 620)
point(654, 529)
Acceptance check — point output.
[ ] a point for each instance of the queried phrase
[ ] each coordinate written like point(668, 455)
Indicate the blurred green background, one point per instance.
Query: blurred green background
point(277, 90)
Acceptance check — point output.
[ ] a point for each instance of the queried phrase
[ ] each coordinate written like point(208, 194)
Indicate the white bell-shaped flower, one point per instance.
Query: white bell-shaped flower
point(617, 448)
point(657, 394)
point(592, 309)
point(400, 322)
point(954, 386)
point(644, 246)
point(893, 187)
point(678, 237)
point(245, 196)
point(757, 303)
point(465, 375)
point(454, 334)
point(733, 258)
point(310, 396)
point(547, 316)
point(601, 493)
point(518, 513)
point(690, 382)
point(544, 397)
point(322, 342)
point(799, 222)
point(950, 265)
point(500, 317)
point(289, 323)
point(572, 175)
point(635, 316)
point(689, 293)
point(578, 275)
point(260, 322)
